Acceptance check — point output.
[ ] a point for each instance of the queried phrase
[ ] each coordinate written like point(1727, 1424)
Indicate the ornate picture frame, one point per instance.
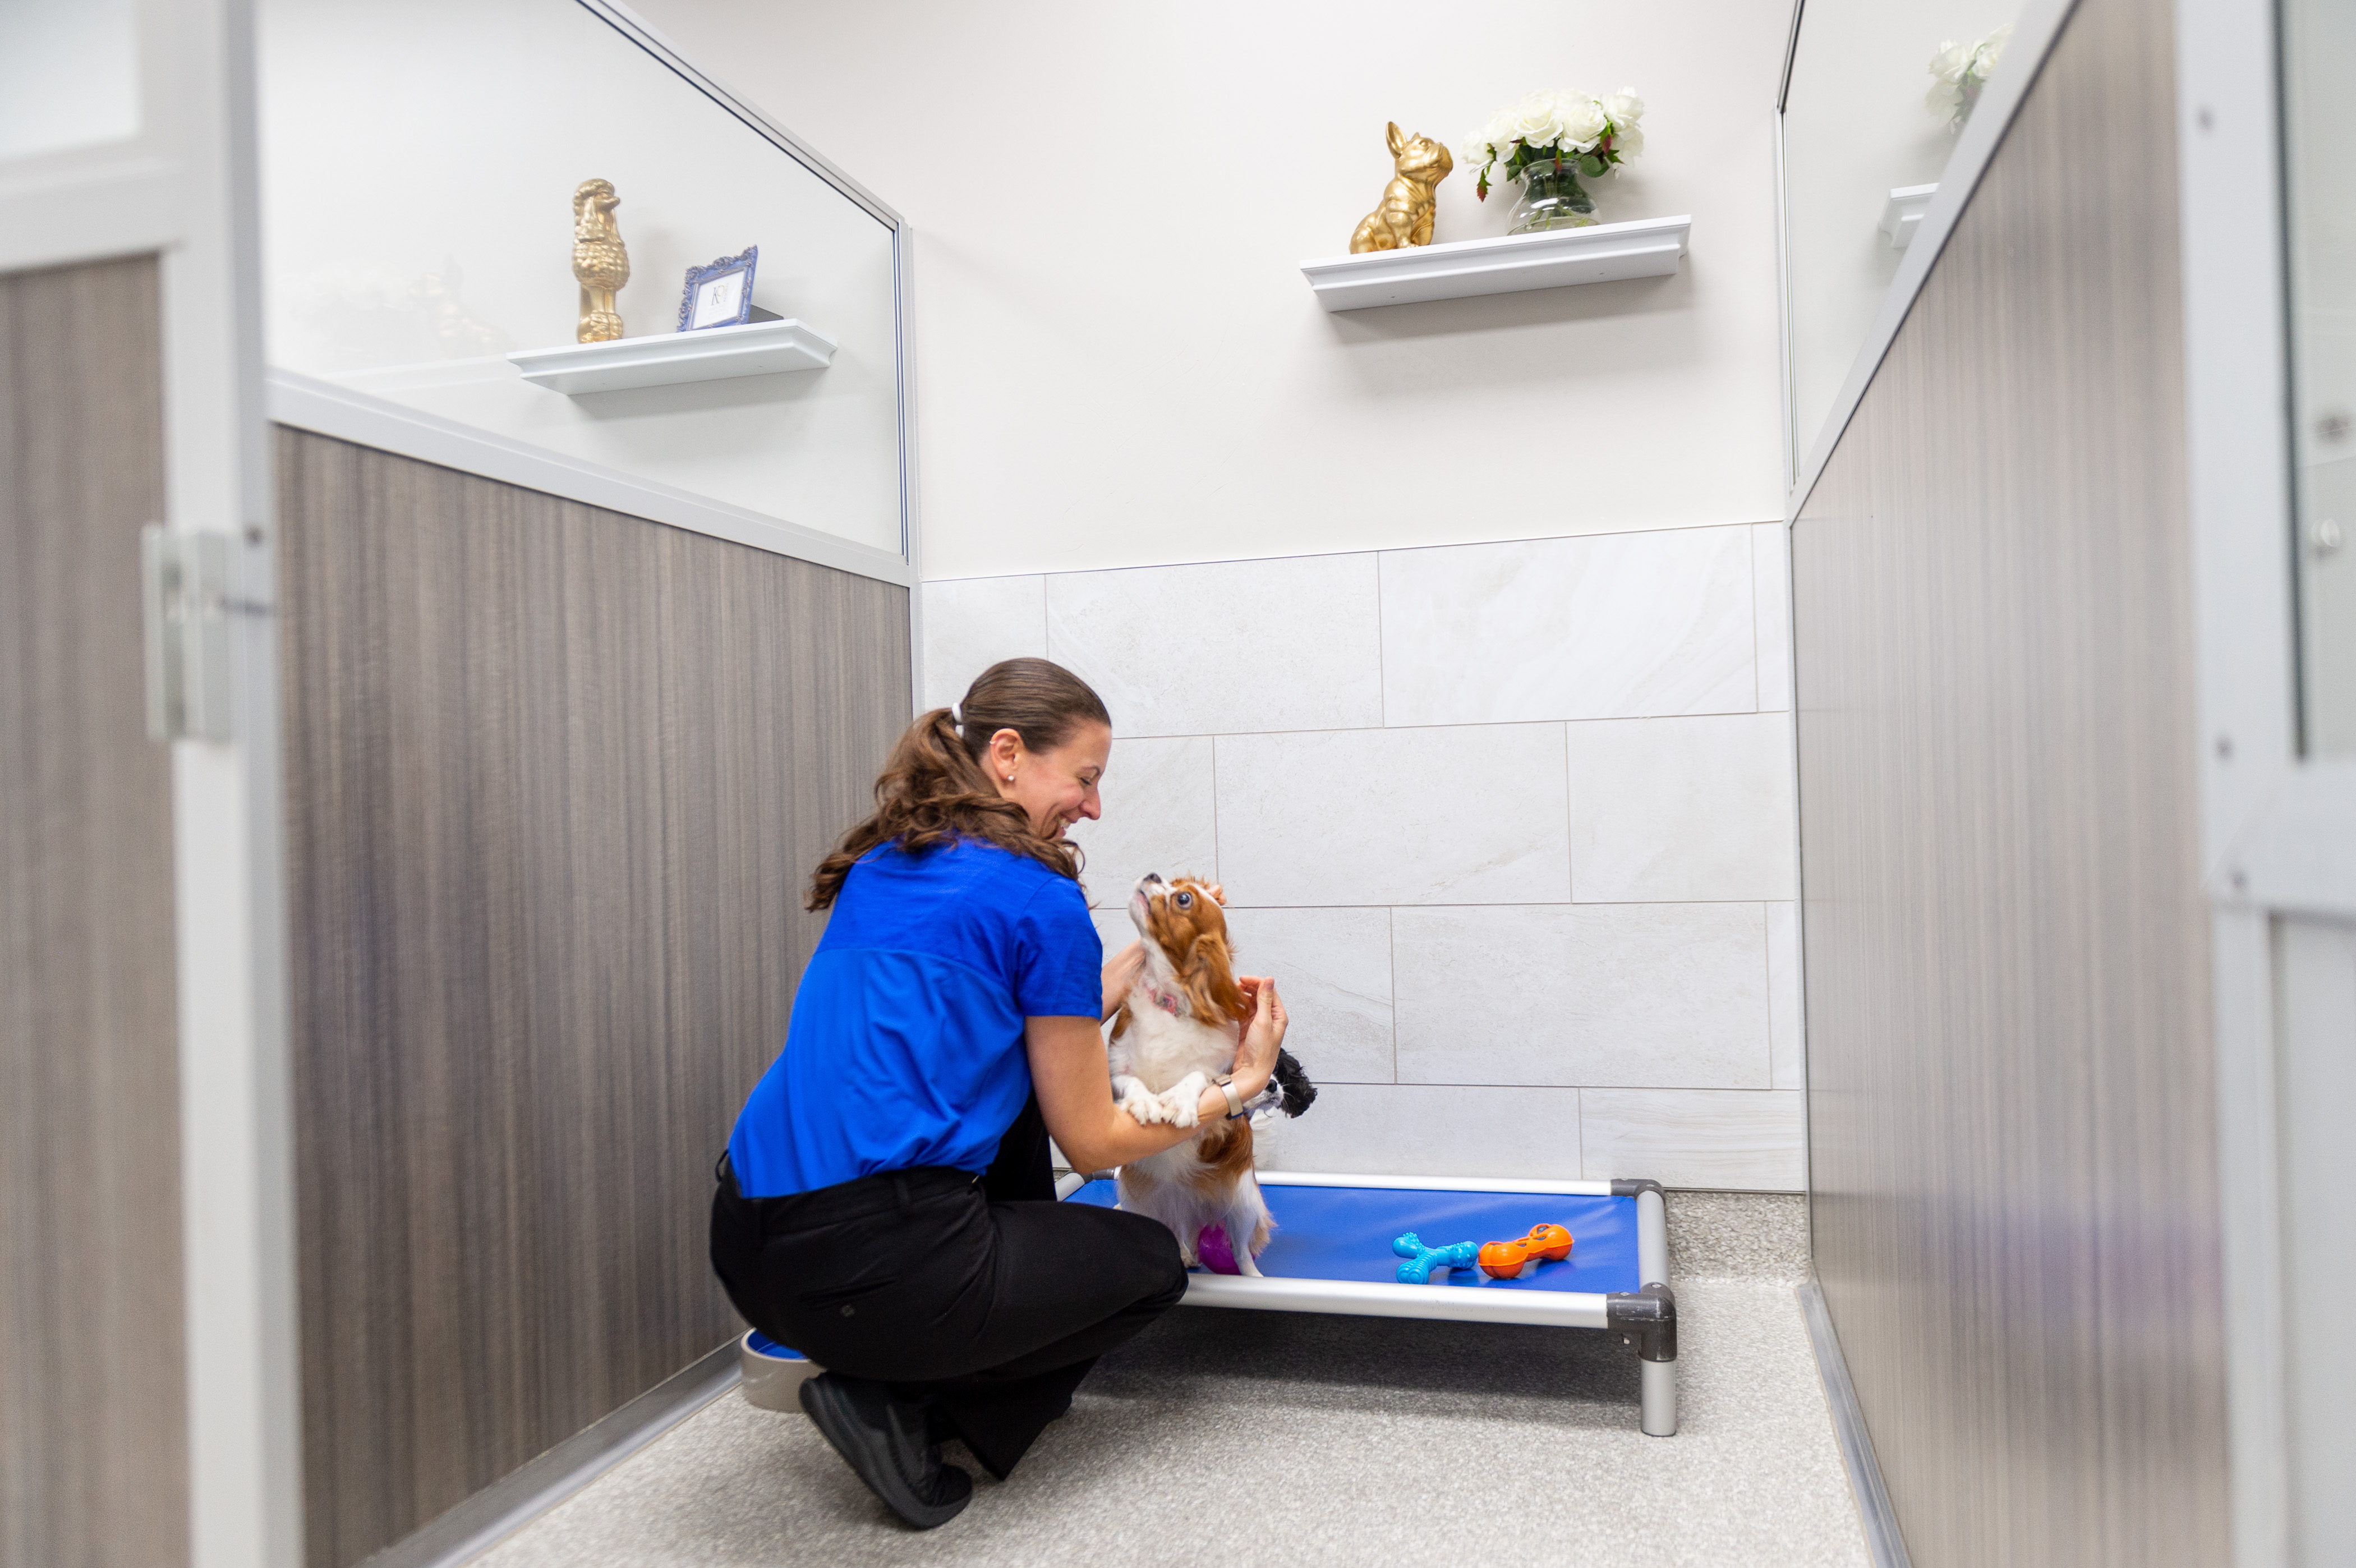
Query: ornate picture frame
point(719, 294)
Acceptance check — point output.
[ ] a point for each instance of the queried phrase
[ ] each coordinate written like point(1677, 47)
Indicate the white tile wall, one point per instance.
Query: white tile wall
point(1694, 1137)
point(1114, 929)
point(1770, 550)
point(1512, 825)
point(973, 623)
point(1609, 626)
point(1671, 996)
point(1674, 810)
point(1230, 647)
point(1785, 997)
point(1726, 1139)
point(1476, 814)
point(1644, 995)
point(1416, 1130)
point(1333, 970)
point(1485, 995)
point(1157, 817)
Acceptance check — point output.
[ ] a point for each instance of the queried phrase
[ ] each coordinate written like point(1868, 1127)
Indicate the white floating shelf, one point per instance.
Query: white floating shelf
point(714, 354)
point(1603, 252)
point(1903, 213)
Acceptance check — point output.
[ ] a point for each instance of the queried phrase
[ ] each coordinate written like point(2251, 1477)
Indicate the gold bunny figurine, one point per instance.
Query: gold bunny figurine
point(598, 259)
point(1405, 216)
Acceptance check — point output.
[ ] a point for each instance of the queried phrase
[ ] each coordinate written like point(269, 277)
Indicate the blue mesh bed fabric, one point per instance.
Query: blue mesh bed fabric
point(1344, 1233)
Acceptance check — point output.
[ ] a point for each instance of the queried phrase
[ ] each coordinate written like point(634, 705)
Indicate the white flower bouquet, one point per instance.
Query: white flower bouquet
point(1958, 73)
point(1577, 130)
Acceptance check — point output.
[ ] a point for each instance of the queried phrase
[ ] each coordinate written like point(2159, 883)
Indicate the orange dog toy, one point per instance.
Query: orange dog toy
point(1512, 1260)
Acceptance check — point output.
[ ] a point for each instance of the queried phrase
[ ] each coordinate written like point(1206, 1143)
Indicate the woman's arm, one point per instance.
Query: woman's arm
point(1074, 1082)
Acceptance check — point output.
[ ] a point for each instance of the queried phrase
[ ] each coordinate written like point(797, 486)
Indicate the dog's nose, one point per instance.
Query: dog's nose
point(1152, 877)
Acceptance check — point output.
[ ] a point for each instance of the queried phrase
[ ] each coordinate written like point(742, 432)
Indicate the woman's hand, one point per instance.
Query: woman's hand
point(1120, 973)
point(1263, 1036)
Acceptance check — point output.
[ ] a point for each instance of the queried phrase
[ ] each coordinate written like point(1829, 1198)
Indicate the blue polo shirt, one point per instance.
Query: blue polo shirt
point(906, 1047)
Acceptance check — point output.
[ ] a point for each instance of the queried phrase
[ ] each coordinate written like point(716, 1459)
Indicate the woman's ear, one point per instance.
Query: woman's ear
point(1004, 752)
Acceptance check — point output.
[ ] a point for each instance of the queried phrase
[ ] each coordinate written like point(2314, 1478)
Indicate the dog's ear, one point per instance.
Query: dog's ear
point(1299, 1094)
point(1120, 1020)
point(1210, 982)
point(1398, 141)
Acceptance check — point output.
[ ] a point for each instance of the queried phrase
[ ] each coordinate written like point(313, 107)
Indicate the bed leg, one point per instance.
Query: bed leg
point(1660, 1406)
point(1647, 1318)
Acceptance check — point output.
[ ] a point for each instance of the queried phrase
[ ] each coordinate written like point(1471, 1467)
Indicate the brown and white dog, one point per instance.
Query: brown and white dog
point(1171, 1040)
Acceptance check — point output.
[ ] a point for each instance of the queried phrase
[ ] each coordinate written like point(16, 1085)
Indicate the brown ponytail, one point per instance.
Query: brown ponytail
point(934, 790)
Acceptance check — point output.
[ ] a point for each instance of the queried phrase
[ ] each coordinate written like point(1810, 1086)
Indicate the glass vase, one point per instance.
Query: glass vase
point(1551, 198)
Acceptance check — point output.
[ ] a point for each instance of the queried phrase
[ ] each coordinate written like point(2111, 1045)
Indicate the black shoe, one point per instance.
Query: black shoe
point(884, 1440)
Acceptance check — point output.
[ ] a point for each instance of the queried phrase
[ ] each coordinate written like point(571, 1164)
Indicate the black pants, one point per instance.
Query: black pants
point(980, 1294)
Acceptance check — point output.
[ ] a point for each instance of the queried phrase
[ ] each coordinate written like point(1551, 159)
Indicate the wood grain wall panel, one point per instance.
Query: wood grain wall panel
point(557, 777)
point(93, 1448)
point(2011, 1136)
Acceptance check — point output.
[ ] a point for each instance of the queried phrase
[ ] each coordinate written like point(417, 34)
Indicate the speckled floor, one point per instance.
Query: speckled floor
point(1235, 1438)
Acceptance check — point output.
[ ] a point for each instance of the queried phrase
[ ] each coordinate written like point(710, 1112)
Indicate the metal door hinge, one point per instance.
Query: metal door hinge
point(186, 602)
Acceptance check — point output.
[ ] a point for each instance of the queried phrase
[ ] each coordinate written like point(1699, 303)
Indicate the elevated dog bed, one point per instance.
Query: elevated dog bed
point(1332, 1252)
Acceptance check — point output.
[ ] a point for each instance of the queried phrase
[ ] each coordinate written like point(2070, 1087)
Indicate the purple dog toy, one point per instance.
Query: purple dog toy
point(1217, 1255)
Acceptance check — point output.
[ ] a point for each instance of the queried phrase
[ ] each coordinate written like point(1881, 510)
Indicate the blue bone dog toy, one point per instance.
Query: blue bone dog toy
point(1422, 1260)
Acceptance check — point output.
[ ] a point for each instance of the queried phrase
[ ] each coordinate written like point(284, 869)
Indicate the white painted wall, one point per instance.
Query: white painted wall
point(1447, 635)
point(1118, 360)
point(418, 166)
point(1511, 823)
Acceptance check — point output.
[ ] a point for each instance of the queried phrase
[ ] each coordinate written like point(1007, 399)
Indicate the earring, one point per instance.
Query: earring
point(1010, 778)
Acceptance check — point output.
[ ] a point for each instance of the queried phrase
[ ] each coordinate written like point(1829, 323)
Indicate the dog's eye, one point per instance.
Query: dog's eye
point(1185, 900)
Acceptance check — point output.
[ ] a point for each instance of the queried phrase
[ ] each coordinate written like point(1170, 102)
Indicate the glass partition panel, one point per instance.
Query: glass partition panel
point(1878, 91)
point(2318, 45)
point(68, 75)
point(419, 163)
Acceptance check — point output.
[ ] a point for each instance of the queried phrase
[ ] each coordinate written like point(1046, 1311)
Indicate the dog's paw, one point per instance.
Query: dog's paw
point(1184, 1100)
point(1143, 1105)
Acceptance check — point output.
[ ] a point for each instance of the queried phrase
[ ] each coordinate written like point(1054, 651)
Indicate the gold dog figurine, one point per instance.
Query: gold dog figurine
point(1405, 216)
point(600, 263)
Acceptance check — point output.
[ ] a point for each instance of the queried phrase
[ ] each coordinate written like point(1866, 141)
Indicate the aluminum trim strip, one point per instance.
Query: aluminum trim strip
point(365, 420)
point(1434, 1184)
point(1882, 1541)
point(1356, 1298)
